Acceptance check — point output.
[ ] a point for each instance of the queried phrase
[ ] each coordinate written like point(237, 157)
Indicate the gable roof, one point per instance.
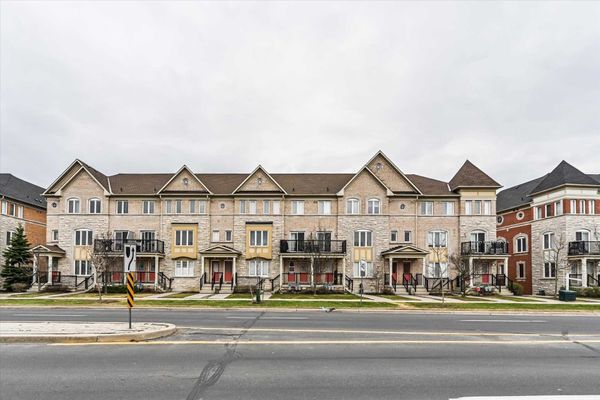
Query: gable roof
point(365, 168)
point(405, 249)
point(516, 196)
point(382, 154)
point(176, 174)
point(431, 187)
point(264, 171)
point(20, 190)
point(470, 176)
point(96, 175)
point(564, 174)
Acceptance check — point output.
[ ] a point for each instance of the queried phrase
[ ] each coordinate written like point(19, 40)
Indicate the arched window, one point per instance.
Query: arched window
point(73, 206)
point(521, 244)
point(95, 206)
point(582, 235)
point(352, 206)
point(373, 206)
point(478, 236)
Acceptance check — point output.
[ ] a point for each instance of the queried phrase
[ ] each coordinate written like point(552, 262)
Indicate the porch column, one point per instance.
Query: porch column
point(156, 261)
point(344, 272)
point(312, 271)
point(35, 267)
point(234, 270)
point(201, 265)
point(471, 271)
point(280, 272)
point(390, 261)
point(50, 264)
point(584, 272)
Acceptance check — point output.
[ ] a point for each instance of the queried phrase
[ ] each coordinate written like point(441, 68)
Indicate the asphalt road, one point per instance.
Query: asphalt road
point(310, 355)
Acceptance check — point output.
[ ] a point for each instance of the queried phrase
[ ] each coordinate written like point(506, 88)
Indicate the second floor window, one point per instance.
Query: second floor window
point(394, 236)
point(549, 269)
point(298, 207)
point(215, 236)
point(324, 207)
point(427, 208)
point(558, 210)
point(184, 238)
point(363, 239)
point(247, 206)
point(373, 206)
point(437, 239)
point(83, 237)
point(55, 235)
point(73, 206)
point(352, 206)
point(521, 244)
point(178, 206)
point(95, 206)
point(122, 206)
point(521, 270)
point(228, 236)
point(448, 208)
point(148, 207)
point(259, 238)
point(548, 241)
point(266, 206)
point(407, 236)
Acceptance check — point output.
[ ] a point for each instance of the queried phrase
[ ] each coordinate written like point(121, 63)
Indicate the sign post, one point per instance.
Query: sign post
point(129, 259)
point(362, 265)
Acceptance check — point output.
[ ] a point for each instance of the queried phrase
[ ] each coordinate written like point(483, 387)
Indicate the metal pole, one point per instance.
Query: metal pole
point(129, 317)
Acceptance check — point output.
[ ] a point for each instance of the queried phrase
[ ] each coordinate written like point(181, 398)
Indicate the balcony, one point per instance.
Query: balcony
point(315, 247)
point(584, 247)
point(488, 248)
point(117, 245)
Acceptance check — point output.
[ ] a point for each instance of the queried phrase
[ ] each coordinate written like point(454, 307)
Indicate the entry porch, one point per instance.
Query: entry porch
point(218, 269)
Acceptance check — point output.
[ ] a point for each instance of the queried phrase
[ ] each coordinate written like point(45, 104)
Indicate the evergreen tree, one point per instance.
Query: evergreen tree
point(17, 259)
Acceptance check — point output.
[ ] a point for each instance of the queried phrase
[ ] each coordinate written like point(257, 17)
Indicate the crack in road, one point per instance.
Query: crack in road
point(565, 335)
point(214, 369)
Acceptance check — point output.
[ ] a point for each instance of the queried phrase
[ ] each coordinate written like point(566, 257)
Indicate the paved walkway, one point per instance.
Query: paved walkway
point(82, 331)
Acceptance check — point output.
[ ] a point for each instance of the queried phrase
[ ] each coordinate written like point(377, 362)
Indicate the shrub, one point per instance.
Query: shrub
point(123, 289)
point(20, 287)
point(242, 289)
point(588, 292)
point(517, 289)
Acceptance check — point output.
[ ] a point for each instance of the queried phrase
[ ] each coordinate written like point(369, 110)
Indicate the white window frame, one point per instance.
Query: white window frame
point(442, 267)
point(393, 236)
point(266, 207)
point(426, 208)
point(537, 213)
point(19, 211)
point(409, 234)
point(95, 206)
point(122, 207)
point(548, 244)
point(584, 231)
point(216, 235)
point(368, 272)
point(178, 206)
point(324, 207)
point(363, 238)
point(192, 205)
point(448, 208)
point(83, 237)
point(258, 267)
point(353, 206)
point(148, 207)
point(259, 238)
point(518, 266)
point(4, 208)
point(549, 269)
point(251, 206)
point(228, 235)
point(54, 235)
point(297, 207)
point(84, 266)
point(201, 206)
point(573, 207)
point(168, 207)
point(591, 207)
point(184, 268)
point(487, 207)
point(524, 246)
point(276, 207)
point(582, 207)
point(468, 207)
point(73, 205)
point(558, 209)
point(373, 206)
point(184, 237)
point(9, 236)
point(437, 238)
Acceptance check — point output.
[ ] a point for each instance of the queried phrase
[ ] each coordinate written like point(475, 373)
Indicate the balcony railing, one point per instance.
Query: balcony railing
point(313, 246)
point(583, 247)
point(117, 245)
point(495, 247)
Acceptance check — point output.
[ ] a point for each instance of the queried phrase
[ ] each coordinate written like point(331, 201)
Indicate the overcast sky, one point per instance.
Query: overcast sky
point(299, 87)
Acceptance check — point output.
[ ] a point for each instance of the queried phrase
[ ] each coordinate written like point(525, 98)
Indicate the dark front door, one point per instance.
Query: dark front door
point(395, 270)
point(406, 270)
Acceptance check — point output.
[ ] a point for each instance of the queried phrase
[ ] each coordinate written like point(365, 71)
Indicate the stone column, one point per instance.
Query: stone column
point(390, 261)
point(584, 272)
point(156, 264)
point(280, 272)
point(234, 270)
point(471, 271)
point(312, 271)
point(50, 264)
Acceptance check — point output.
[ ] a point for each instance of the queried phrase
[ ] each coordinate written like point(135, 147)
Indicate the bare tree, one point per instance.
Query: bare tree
point(556, 255)
point(440, 255)
point(461, 265)
point(102, 257)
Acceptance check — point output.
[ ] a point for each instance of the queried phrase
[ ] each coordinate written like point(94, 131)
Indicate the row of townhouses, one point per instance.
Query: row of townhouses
point(377, 229)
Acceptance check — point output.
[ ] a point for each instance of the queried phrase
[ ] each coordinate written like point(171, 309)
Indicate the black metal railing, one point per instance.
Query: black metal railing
point(164, 281)
point(275, 282)
point(494, 247)
point(217, 281)
point(591, 281)
point(436, 284)
point(510, 285)
point(142, 246)
point(313, 246)
point(202, 280)
point(583, 247)
point(409, 281)
point(85, 283)
point(349, 283)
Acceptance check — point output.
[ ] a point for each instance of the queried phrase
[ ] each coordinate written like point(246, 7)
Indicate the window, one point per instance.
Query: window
point(487, 207)
point(20, 211)
point(477, 207)
point(178, 206)
point(558, 208)
point(573, 206)
point(352, 206)
point(448, 208)
point(252, 206)
point(122, 206)
point(54, 235)
point(247, 206)
point(437, 239)
point(520, 215)
point(407, 236)
point(363, 239)
point(258, 267)
point(581, 206)
point(184, 238)
point(437, 270)
point(592, 207)
point(549, 269)
point(368, 271)
point(83, 267)
point(548, 241)
point(520, 270)
point(296, 241)
point(95, 206)
point(427, 208)
point(521, 244)
point(4, 208)
point(537, 213)
point(298, 207)
point(266, 206)
point(228, 236)
point(549, 212)
point(468, 207)
point(373, 206)
point(259, 238)
point(499, 219)
point(9, 236)
point(184, 268)
point(148, 207)
point(242, 206)
point(83, 237)
point(215, 236)
point(394, 236)
point(276, 207)
point(192, 206)
point(582, 236)
point(12, 209)
point(325, 207)
point(73, 206)
point(168, 206)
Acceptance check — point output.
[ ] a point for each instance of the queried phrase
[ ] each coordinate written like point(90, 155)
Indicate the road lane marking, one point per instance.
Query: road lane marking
point(49, 315)
point(327, 342)
point(338, 331)
point(504, 320)
point(284, 318)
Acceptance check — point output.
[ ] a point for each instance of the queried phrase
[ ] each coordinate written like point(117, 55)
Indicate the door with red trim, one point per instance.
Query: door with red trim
point(228, 271)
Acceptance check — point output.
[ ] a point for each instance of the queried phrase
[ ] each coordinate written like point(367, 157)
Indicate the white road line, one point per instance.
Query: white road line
point(557, 397)
point(284, 318)
point(49, 315)
point(503, 320)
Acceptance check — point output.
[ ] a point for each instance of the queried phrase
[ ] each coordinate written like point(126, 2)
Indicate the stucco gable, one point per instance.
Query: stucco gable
point(259, 180)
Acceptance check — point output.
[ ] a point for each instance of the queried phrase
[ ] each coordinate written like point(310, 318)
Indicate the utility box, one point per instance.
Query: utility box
point(567, 295)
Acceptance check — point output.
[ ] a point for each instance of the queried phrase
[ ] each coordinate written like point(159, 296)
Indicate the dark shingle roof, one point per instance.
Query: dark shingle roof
point(516, 196)
point(470, 176)
point(312, 183)
point(429, 186)
point(20, 190)
point(99, 176)
point(564, 174)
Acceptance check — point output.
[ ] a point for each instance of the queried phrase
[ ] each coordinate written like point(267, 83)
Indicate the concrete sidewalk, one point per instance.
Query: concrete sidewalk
point(82, 332)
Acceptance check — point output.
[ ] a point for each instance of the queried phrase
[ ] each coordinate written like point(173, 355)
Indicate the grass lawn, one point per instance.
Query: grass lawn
point(105, 295)
point(309, 296)
point(396, 297)
point(508, 306)
point(246, 296)
point(181, 295)
point(29, 295)
point(58, 302)
point(515, 298)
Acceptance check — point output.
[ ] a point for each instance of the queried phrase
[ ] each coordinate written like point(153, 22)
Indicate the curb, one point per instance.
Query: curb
point(167, 330)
